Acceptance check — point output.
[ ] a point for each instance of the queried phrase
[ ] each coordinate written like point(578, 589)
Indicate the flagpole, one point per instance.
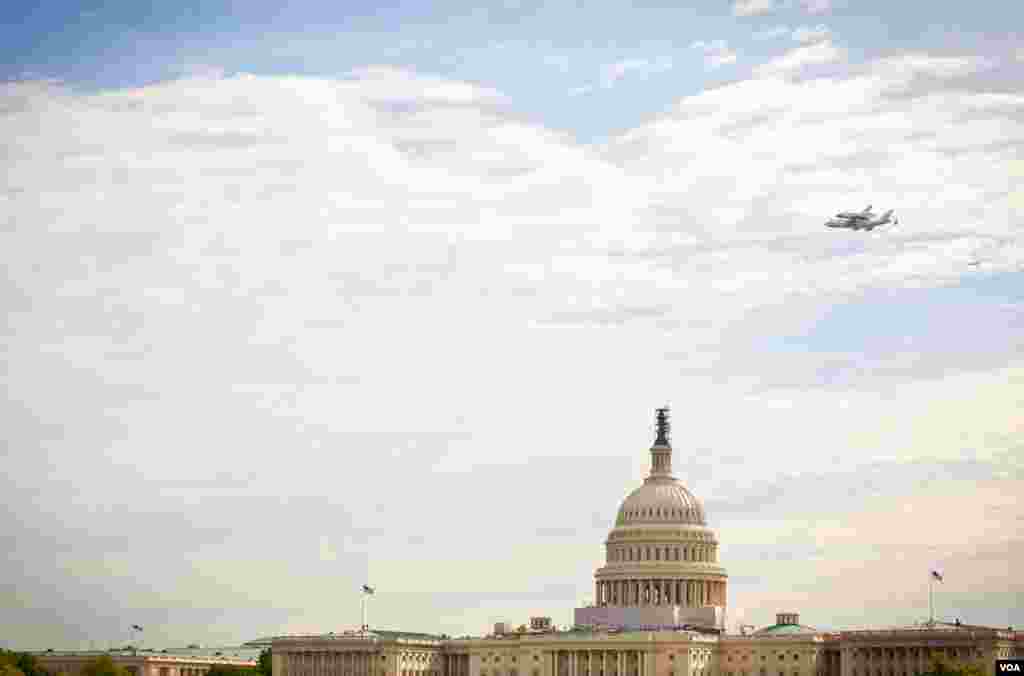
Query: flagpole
point(931, 608)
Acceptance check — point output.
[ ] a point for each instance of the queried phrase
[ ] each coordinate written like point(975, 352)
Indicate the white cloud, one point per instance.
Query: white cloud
point(716, 53)
point(806, 34)
point(327, 552)
point(752, 7)
point(933, 66)
point(247, 286)
point(796, 59)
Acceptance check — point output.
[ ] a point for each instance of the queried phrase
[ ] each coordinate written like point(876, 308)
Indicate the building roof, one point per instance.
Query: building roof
point(380, 634)
point(785, 630)
point(231, 654)
point(409, 635)
point(661, 500)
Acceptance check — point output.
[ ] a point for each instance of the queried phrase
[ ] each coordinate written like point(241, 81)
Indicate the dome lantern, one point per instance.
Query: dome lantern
point(661, 452)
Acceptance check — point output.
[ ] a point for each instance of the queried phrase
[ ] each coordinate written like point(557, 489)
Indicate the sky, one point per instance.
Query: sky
point(301, 297)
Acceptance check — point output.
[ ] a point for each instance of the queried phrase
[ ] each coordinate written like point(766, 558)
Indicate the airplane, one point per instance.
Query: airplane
point(862, 222)
point(855, 214)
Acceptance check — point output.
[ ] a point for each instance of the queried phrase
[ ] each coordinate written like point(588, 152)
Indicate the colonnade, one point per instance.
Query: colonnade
point(660, 592)
point(331, 663)
point(600, 663)
point(456, 664)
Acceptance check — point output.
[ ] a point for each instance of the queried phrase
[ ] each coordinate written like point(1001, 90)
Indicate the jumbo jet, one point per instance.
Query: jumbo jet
point(856, 214)
point(862, 221)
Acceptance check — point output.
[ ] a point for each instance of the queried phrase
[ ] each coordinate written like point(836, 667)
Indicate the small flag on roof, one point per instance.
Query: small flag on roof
point(136, 627)
point(937, 575)
point(367, 589)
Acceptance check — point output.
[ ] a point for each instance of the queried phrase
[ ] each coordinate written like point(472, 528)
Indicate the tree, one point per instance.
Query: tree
point(941, 667)
point(102, 666)
point(230, 670)
point(25, 664)
point(265, 667)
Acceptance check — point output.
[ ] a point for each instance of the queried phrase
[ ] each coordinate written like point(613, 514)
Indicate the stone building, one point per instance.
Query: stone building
point(660, 609)
point(141, 662)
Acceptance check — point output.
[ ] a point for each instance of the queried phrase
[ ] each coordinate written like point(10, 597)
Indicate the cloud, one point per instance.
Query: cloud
point(758, 7)
point(941, 67)
point(818, 53)
point(246, 286)
point(752, 7)
point(806, 34)
point(716, 53)
point(327, 552)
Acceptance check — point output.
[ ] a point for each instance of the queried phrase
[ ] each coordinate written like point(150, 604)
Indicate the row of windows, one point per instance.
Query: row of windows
point(661, 513)
point(660, 554)
point(497, 658)
point(764, 657)
point(901, 653)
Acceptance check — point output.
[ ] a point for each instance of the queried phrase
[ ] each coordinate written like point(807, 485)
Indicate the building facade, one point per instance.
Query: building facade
point(659, 610)
point(139, 663)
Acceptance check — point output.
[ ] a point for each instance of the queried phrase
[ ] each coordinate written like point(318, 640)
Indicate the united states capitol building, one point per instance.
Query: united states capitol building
point(660, 608)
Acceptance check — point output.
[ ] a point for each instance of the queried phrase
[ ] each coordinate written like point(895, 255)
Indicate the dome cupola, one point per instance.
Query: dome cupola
point(661, 559)
point(662, 498)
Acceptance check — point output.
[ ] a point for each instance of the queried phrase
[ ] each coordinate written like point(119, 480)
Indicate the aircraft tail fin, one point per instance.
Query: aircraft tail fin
point(868, 210)
point(888, 213)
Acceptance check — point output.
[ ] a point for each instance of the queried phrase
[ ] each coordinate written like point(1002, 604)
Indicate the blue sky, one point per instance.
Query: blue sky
point(534, 52)
point(295, 296)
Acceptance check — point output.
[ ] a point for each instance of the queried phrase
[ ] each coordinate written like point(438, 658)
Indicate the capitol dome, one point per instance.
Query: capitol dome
point(661, 563)
point(661, 500)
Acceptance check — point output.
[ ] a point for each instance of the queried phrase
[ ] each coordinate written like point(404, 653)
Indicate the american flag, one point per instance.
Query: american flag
point(367, 589)
point(937, 575)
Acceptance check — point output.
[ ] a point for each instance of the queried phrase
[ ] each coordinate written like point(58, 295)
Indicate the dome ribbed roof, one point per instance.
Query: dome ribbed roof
point(661, 500)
